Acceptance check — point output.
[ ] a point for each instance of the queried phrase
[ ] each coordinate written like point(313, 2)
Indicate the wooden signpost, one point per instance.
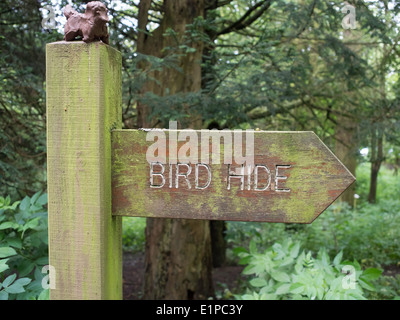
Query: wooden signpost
point(83, 105)
point(294, 177)
point(98, 173)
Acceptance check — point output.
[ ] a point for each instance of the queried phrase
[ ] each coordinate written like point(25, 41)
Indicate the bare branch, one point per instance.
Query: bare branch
point(248, 18)
point(214, 4)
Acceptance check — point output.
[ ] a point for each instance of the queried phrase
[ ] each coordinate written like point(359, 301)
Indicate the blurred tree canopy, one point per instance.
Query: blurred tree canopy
point(22, 97)
point(273, 65)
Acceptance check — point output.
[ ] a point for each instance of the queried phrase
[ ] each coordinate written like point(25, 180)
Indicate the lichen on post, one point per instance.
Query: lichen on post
point(83, 83)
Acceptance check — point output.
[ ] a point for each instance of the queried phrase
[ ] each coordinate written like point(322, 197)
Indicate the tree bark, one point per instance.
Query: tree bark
point(346, 151)
point(178, 258)
point(346, 147)
point(376, 162)
point(218, 243)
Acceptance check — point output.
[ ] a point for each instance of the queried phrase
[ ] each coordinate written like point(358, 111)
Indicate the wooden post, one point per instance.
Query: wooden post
point(83, 106)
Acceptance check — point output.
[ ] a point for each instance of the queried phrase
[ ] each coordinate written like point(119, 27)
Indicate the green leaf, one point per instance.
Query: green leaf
point(268, 296)
point(356, 265)
point(35, 197)
point(3, 295)
point(14, 205)
point(371, 274)
point(8, 225)
point(324, 257)
point(283, 289)
point(295, 250)
point(25, 267)
point(42, 261)
point(357, 296)
point(366, 285)
point(238, 250)
point(190, 50)
point(23, 281)
point(31, 224)
point(24, 205)
point(286, 261)
point(245, 260)
point(253, 247)
point(42, 199)
point(14, 288)
point(7, 252)
point(248, 297)
point(35, 208)
point(250, 269)
point(3, 265)
point(17, 286)
point(280, 276)
point(14, 242)
point(258, 282)
point(297, 288)
point(338, 258)
point(9, 280)
point(44, 295)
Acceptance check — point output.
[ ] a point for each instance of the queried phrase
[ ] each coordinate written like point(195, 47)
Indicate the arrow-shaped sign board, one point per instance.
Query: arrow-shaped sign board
point(278, 176)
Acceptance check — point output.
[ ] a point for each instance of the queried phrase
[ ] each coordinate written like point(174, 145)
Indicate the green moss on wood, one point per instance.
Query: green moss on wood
point(315, 179)
point(83, 104)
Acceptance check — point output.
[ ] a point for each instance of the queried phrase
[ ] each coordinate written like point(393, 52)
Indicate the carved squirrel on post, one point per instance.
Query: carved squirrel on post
point(91, 25)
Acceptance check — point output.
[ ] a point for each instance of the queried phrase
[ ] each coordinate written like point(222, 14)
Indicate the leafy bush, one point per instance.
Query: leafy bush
point(133, 236)
point(283, 271)
point(387, 287)
point(23, 247)
point(368, 234)
point(388, 183)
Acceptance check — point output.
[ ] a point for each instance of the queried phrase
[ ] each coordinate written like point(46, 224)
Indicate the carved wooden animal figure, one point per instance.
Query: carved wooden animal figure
point(91, 26)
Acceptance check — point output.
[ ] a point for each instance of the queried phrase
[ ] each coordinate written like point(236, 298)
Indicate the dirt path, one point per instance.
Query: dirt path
point(133, 270)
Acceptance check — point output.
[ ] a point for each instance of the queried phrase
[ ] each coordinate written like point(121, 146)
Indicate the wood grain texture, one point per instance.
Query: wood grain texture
point(83, 106)
point(315, 179)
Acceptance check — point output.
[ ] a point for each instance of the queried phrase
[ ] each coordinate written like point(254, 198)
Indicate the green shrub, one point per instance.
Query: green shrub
point(23, 247)
point(133, 235)
point(387, 288)
point(388, 183)
point(284, 271)
point(368, 234)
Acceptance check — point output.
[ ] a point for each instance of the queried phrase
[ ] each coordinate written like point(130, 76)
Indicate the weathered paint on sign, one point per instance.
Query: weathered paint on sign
point(294, 177)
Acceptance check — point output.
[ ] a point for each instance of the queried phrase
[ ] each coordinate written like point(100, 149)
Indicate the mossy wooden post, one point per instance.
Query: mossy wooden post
point(83, 106)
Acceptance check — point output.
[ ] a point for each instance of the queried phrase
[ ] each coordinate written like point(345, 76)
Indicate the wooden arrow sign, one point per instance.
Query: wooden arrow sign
point(288, 177)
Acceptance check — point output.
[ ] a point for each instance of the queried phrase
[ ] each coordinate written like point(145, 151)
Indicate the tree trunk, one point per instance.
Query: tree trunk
point(373, 183)
point(218, 243)
point(178, 258)
point(346, 151)
point(346, 147)
point(376, 162)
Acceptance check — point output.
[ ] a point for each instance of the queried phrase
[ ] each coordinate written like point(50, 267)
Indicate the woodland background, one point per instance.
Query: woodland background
point(268, 65)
